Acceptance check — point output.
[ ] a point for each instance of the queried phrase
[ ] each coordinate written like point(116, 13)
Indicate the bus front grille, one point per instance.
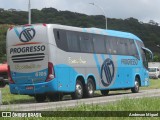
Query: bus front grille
point(28, 58)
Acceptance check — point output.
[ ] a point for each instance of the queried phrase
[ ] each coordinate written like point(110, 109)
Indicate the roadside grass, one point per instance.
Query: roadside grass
point(8, 98)
point(154, 84)
point(142, 104)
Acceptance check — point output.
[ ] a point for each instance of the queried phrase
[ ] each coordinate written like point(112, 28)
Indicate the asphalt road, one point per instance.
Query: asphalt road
point(51, 106)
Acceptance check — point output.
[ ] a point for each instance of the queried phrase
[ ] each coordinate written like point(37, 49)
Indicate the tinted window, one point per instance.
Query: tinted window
point(140, 45)
point(111, 45)
point(86, 44)
point(123, 46)
point(81, 42)
point(152, 69)
point(133, 49)
point(120, 46)
point(73, 41)
point(99, 44)
point(60, 36)
point(143, 54)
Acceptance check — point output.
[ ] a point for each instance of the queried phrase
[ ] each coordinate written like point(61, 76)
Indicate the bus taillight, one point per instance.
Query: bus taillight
point(51, 74)
point(9, 76)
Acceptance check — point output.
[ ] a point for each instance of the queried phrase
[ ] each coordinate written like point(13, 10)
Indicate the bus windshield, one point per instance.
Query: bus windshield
point(152, 69)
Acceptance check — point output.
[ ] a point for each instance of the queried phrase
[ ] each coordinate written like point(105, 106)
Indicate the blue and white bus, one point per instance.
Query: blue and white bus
point(50, 60)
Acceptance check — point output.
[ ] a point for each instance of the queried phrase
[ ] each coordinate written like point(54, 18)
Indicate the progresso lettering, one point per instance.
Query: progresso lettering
point(129, 61)
point(27, 49)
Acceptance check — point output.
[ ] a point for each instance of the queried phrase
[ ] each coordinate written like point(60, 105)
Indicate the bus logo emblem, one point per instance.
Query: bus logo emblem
point(107, 72)
point(27, 35)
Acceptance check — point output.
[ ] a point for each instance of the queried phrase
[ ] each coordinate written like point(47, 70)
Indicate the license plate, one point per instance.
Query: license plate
point(29, 87)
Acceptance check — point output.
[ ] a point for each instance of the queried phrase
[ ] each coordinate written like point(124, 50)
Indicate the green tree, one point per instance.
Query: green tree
point(148, 32)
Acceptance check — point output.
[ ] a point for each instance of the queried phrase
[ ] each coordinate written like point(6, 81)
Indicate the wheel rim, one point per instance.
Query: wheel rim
point(79, 90)
point(90, 88)
point(136, 85)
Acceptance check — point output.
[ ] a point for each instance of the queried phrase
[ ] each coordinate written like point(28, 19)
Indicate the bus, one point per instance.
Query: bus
point(47, 61)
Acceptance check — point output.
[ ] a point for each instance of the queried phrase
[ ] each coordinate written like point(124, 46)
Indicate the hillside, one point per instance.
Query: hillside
point(149, 33)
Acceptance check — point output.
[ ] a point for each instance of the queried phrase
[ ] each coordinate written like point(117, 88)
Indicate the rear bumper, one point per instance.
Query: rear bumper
point(39, 88)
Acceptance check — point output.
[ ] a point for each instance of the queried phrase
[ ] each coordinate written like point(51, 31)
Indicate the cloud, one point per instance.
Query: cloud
point(16, 4)
point(144, 10)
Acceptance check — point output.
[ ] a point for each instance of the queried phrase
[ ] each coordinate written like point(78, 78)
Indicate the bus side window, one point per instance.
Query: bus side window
point(133, 49)
point(99, 44)
point(111, 45)
point(122, 46)
point(58, 36)
point(108, 47)
point(73, 41)
point(143, 54)
point(86, 43)
point(145, 62)
point(61, 39)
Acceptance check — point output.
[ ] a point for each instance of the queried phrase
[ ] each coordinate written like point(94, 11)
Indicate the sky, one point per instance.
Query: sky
point(143, 10)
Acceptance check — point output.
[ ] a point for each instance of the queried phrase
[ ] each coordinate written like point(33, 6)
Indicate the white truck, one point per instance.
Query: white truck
point(154, 69)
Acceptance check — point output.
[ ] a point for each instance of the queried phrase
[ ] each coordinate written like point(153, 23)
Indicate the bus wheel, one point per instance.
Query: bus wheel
point(78, 94)
point(104, 92)
point(40, 97)
point(135, 89)
point(90, 87)
point(55, 97)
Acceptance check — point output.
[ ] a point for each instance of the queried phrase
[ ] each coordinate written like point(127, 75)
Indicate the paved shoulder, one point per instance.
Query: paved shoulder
point(72, 103)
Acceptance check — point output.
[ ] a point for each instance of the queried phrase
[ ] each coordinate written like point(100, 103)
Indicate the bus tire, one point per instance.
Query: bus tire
point(78, 94)
point(55, 97)
point(135, 89)
point(89, 89)
point(40, 97)
point(104, 92)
